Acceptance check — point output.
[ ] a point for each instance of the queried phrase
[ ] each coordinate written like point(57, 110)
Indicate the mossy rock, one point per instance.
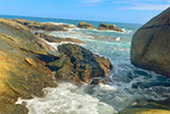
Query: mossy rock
point(151, 107)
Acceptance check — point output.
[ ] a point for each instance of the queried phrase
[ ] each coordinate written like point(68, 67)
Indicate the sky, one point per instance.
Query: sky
point(128, 11)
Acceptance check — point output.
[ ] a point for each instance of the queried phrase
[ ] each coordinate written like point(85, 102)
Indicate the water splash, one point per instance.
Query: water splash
point(67, 98)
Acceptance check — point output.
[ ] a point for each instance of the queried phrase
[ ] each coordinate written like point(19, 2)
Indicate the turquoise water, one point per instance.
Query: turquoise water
point(125, 84)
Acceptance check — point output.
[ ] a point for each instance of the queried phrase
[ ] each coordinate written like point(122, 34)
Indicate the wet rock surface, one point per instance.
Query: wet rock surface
point(149, 107)
point(85, 64)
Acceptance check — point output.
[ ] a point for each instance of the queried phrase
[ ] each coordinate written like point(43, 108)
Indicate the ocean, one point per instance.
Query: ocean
point(125, 84)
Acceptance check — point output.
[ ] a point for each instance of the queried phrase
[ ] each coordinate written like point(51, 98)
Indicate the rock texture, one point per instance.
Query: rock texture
point(22, 74)
point(150, 48)
point(51, 38)
point(105, 26)
point(85, 25)
point(85, 64)
point(149, 107)
point(33, 25)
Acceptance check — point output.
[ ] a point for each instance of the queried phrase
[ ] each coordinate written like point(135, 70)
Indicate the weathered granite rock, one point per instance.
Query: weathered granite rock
point(150, 48)
point(85, 64)
point(33, 25)
point(105, 26)
point(85, 25)
point(150, 107)
point(51, 38)
point(22, 74)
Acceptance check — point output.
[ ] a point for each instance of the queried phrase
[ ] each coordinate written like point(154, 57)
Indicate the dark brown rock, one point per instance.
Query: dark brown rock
point(85, 25)
point(150, 48)
point(86, 65)
point(105, 26)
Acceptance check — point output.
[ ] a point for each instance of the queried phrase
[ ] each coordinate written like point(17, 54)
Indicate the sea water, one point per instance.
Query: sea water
point(125, 84)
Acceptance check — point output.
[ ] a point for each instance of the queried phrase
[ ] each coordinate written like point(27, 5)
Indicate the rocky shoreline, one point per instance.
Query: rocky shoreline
point(27, 63)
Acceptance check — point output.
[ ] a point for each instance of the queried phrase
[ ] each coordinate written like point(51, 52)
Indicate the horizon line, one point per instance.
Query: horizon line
point(70, 19)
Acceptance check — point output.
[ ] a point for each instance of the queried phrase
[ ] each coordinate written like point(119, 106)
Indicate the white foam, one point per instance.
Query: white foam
point(124, 31)
point(67, 98)
point(62, 24)
point(53, 44)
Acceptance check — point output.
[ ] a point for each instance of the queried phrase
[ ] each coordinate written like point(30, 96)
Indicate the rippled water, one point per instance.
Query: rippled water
point(124, 85)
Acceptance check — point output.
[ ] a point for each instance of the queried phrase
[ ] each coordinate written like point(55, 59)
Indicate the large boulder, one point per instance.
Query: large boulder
point(150, 48)
point(84, 64)
point(105, 26)
point(85, 25)
point(22, 73)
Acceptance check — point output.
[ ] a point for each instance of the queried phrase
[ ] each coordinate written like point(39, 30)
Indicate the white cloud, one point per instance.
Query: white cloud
point(91, 5)
point(145, 7)
point(93, 1)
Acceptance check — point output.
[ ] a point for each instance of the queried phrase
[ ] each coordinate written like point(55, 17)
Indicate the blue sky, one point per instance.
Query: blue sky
point(129, 11)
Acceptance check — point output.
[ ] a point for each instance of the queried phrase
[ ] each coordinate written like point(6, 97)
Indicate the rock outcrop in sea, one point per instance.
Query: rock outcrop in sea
point(33, 25)
point(105, 26)
point(150, 48)
point(85, 25)
point(27, 63)
point(85, 64)
point(51, 38)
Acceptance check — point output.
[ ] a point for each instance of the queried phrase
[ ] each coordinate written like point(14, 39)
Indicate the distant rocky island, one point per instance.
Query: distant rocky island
point(102, 26)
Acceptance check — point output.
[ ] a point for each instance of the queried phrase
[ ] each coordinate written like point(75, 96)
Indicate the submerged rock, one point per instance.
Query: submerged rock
point(105, 26)
point(51, 38)
point(85, 64)
point(85, 25)
point(33, 25)
point(150, 48)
